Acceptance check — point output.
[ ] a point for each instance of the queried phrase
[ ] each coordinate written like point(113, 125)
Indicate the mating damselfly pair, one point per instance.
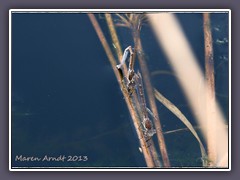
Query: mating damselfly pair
point(134, 85)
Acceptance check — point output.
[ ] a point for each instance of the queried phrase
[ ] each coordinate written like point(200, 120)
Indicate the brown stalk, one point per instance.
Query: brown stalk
point(133, 21)
point(210, 96)
point(144, 147)
point(131, 66)
point(150, 95)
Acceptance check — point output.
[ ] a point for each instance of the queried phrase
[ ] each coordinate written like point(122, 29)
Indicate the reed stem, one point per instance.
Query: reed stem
point(144, 147)
point(210, 96)
point(151, 98)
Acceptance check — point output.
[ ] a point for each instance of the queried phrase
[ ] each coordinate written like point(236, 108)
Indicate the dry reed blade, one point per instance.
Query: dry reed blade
point(145, 150)
point(185, 121)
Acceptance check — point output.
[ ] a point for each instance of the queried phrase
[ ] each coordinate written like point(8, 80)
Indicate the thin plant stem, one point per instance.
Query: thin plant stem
point(179, 130)
point(114, 36)
point(131, 65)
point(210, 96)
point(150, 95)
point(185, 129)
point(134, 21)
point(144, 147)
point(155, 155)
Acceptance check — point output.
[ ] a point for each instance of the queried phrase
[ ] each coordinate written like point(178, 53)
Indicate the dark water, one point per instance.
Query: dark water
point(66, 100)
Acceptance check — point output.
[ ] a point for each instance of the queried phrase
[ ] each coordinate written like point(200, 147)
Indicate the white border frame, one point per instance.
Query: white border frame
point(113, 11)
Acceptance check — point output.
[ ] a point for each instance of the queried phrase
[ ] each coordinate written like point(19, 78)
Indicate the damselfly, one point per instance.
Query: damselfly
point(149, 131)
point(134, 82)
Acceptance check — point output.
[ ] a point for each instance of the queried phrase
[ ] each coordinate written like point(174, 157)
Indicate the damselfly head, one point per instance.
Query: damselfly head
point(147, 124)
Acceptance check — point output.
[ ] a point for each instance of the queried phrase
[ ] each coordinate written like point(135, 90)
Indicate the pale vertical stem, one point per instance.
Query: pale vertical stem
point(210, 96)
point(145, 149)
point(151, 98)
